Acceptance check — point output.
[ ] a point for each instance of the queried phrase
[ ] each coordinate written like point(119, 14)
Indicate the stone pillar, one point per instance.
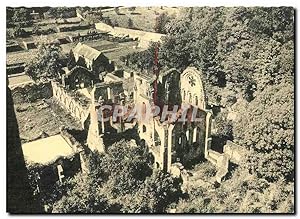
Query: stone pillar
point(207, 134)
point(83, 164)
point(169, 146)
point(94, 138)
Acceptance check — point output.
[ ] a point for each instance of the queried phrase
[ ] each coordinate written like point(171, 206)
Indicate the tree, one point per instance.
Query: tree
point(143, 60)
point(21, 15)
point(62, 12)
point(121, 180)
point(117, 10)
point(242, 193)
point(131, 9)
point(160, 24)
point(223, 126)
point(107, 20)
point(99, 14)
point(266, 127)
point(224, 43)
point(115, 24)
point(84, 197)
point(153, 196)
point(36, 30)
point(130, 23)
point(46, 63)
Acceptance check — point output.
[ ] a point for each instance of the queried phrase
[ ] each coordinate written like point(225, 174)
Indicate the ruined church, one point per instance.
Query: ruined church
point(170, 142)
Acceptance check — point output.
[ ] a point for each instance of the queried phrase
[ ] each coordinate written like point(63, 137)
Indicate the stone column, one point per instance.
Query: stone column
point(94, 139)
point(207, 133)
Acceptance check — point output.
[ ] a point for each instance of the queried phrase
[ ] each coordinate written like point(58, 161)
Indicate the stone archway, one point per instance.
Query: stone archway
point(72, 107)
point(77, 112)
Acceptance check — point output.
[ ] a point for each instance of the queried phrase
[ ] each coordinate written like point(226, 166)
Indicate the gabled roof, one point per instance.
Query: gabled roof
point(86, 51)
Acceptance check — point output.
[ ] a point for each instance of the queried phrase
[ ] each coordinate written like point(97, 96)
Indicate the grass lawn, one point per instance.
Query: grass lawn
point(143, 17)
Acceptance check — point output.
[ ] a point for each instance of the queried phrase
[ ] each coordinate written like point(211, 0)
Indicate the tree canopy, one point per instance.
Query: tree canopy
point(122, 180)
point(266, 126)
point(46, 63)
point(21, 15)
point(240, 49)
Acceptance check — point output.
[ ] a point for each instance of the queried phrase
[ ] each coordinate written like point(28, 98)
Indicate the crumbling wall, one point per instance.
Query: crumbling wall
point(108, 91)
point(76, 109)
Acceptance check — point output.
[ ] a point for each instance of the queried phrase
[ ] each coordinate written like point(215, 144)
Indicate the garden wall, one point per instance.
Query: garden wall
point(77, 109)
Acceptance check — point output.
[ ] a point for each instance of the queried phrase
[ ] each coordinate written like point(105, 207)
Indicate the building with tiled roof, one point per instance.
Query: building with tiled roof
point(94, 59)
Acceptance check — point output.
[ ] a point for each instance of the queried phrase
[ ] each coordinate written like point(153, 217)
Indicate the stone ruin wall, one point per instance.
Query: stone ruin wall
point(76, 109)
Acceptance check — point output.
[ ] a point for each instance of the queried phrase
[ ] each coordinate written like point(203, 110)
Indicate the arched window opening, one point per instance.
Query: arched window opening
point(157, 141)
point(195, 134)
point(157, 165)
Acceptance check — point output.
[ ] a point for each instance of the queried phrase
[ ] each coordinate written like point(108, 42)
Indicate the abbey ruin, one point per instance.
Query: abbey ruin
point(172, 143)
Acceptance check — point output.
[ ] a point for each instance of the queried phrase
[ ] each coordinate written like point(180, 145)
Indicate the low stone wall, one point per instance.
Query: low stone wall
point(31, 92)
point(72, 27)
point(13, 48)
point(144, 37)
point(78, 110)
point(15, 68)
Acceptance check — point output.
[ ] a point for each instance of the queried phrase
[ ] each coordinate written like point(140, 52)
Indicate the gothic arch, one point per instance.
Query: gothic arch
point(57, 92)
point(191, 81)
point(190, 99)
point(196, 134)
point(72, 106)
point(77, 112)
point(68, 101)
point(196, 100)
point(157, 141)
point(82, 115)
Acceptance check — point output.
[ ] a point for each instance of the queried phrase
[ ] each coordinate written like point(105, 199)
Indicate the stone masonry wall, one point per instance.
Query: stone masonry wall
point(77, 109)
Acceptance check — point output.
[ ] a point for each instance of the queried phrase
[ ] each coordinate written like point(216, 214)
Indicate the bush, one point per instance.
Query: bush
point(223, 127)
